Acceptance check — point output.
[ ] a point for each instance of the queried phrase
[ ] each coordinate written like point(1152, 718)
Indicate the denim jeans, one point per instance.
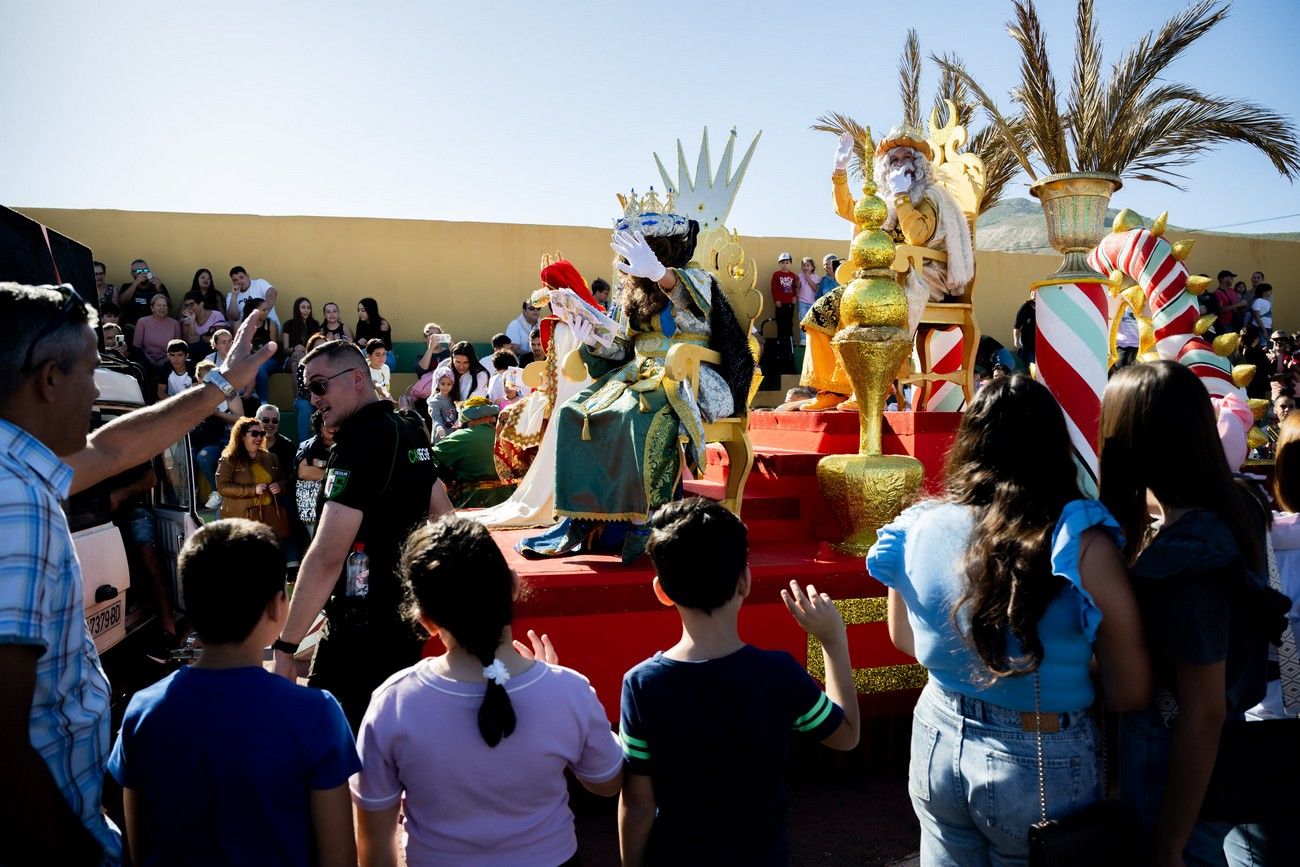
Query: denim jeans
point(206, 459)
point(303, 410)
point(974, 777)
point(262, 385)
point(1144, 743)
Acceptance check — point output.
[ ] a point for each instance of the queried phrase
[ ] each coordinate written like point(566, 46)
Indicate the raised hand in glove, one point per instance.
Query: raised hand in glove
point(641, 260)
point(582, 331)
point(899, 181)
point(844, 152)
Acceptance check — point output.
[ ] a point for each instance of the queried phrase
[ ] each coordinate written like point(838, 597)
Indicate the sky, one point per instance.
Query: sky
point(528, 112)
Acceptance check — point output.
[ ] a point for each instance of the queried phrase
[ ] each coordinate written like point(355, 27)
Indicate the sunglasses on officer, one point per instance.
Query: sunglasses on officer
point(318, 387)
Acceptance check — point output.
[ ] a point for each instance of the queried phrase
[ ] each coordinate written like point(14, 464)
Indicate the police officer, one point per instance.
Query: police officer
point(377, 488)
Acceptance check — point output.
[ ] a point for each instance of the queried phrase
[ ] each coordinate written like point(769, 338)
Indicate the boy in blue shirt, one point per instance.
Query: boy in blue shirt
point(223, 762)
point(706, 724)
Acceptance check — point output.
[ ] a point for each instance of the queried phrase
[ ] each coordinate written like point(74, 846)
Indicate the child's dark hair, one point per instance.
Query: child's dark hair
point(500, 340)
point(699, 550)
point(454, 575)
point(503, 359)
point(374, 345)
point(229, 571)
point(177, 346)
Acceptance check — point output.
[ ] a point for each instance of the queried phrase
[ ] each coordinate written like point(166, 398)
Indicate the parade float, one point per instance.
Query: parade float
point(813, 487)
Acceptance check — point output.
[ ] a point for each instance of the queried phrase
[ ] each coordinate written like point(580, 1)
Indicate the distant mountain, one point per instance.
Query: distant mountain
point(1017, 226)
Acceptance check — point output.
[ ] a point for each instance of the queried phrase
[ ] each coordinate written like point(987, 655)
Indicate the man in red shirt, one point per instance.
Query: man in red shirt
point(784, 288)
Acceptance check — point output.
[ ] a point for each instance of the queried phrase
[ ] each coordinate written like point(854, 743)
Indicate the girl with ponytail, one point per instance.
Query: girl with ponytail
point(475, 742)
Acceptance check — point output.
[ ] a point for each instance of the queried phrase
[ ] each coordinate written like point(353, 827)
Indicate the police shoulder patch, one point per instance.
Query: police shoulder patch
point(335, 482)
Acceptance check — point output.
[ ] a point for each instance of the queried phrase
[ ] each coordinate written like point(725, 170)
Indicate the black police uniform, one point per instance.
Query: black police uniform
point(381, 466)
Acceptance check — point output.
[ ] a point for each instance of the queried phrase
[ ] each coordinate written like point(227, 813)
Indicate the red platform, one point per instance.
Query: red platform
point(604, 617)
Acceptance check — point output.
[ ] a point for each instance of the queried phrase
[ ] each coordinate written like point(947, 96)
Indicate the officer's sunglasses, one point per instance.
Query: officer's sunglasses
point(74, 306)
point(318, 387)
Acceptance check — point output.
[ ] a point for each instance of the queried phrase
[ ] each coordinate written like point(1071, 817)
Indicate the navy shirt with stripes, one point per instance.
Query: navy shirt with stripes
point(713, 736)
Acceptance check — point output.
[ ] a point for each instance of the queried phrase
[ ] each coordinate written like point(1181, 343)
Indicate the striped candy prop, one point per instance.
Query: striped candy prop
point(1070, 353)
point(1164, 301)
point(942, 348)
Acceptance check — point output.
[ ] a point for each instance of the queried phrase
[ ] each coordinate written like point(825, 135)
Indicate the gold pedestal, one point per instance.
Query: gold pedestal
point(868, 490)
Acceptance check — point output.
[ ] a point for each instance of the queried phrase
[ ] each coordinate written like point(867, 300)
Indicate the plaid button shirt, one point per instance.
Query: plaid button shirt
point(41, 605)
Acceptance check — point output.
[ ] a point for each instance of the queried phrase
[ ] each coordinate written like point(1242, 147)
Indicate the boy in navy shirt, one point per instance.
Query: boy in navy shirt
point(706, 724)
point(223, 762)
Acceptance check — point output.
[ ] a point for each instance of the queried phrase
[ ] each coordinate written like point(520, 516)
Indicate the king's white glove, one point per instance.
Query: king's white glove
point(844, 152)
point(899, 180)
point(641, 260)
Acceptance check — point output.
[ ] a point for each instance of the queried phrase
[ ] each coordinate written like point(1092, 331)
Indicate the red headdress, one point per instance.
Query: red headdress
point(559, 273)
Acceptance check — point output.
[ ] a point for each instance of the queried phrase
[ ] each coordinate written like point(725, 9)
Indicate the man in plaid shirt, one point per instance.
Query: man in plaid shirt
point(54, 698)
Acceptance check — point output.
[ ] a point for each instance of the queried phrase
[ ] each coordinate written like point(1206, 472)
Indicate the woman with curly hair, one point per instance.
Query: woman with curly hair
point(1005, 590)
point(248, 476)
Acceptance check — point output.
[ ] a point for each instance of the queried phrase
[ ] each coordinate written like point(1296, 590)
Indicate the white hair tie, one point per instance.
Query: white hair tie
point(497, 673)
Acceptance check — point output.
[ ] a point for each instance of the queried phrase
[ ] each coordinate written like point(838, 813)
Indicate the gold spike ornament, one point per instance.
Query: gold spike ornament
point(1242, 374)
point(1203, 324)
point(1125, 220)
point(1197, 285)
point(1226, 344)
point(1161, 222)
point(1258, 407)
point(1183, 249)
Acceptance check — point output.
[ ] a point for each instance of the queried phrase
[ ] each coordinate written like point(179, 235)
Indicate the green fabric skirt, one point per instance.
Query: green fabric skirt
point(618, 457)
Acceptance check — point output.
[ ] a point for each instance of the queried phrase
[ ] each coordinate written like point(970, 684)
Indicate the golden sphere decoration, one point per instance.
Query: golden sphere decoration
point(871, 249)
point(874, 301)
point(870, 209)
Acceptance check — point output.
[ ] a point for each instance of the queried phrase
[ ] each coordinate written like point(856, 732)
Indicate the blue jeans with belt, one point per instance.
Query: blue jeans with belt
point(973, 779)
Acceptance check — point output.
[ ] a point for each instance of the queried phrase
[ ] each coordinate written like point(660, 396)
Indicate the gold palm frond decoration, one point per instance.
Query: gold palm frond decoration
point(864, 146)
point(1134, 125)
point(909, 80)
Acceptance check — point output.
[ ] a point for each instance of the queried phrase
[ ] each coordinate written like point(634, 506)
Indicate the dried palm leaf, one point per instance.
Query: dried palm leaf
point(909, 80)
point(953, 88)
point(1083, 109)
point(1000, 163)
point(999, 121)
point(864, 146)
point(1036, 92)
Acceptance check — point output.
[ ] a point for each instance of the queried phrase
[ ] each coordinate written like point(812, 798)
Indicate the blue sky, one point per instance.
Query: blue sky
point(535, 112)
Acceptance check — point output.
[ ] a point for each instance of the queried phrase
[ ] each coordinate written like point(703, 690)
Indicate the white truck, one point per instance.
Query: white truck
point(113, 615)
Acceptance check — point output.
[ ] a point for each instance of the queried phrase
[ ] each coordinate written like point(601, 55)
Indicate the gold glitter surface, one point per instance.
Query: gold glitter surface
point(866, 492)
point(874, 301)
point(885, 678)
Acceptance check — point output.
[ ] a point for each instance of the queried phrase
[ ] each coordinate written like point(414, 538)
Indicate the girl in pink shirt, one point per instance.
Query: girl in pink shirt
point(806, 288)
point(472, 745)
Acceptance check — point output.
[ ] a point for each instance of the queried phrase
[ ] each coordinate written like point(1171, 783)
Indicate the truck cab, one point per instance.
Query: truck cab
point(117, 593)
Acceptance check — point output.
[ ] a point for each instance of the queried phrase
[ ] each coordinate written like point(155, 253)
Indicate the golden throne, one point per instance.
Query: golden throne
point(962, 175)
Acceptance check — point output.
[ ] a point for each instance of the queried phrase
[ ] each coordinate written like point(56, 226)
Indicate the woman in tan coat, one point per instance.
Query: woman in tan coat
point(248, 476)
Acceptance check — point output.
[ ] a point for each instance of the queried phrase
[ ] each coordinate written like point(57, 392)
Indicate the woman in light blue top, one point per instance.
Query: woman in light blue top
point(1005, 590)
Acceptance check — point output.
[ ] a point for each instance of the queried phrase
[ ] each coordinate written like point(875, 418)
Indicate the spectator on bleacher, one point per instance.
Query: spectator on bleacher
point(828, 281)
point(221, 342)
point(155, 331)
point(806, 293)
point(242, 289)
point(178, 370)
point(110, 312)
point(198, 321)
point(268, 333)
point(248, 476)
point(380, 374)
point(284, 450)
point(311, 458)
point(443, 417)
point(600, 291)
point(116, 351)
point(207, 289)
point(471, 376)
point(332, 328)
point(104, 290)
point(212, 434)
point(536, 350)
point(500, 341)
point(1231, 304)
point(371, 326)
point(297, 331)
point(506, 385)
point(302, 397)
point(521, 326)
point(1261, 308)
point(1256, 278)
point(134, 297)
point(437, 349)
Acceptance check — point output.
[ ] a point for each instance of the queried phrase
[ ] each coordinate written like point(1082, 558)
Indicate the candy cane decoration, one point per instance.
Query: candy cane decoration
point(1070, 353)
point(1174, 327)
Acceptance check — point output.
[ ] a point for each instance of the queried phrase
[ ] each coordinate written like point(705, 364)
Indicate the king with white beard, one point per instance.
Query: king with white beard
point(921, 213)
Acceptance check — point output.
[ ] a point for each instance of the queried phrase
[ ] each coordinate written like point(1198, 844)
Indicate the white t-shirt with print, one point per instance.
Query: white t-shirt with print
point(256, 289)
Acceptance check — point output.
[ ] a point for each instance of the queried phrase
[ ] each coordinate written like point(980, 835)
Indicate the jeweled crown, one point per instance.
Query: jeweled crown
point(650, 215)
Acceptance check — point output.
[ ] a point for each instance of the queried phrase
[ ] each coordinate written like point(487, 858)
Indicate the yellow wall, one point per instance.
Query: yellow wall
point(471, 277)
